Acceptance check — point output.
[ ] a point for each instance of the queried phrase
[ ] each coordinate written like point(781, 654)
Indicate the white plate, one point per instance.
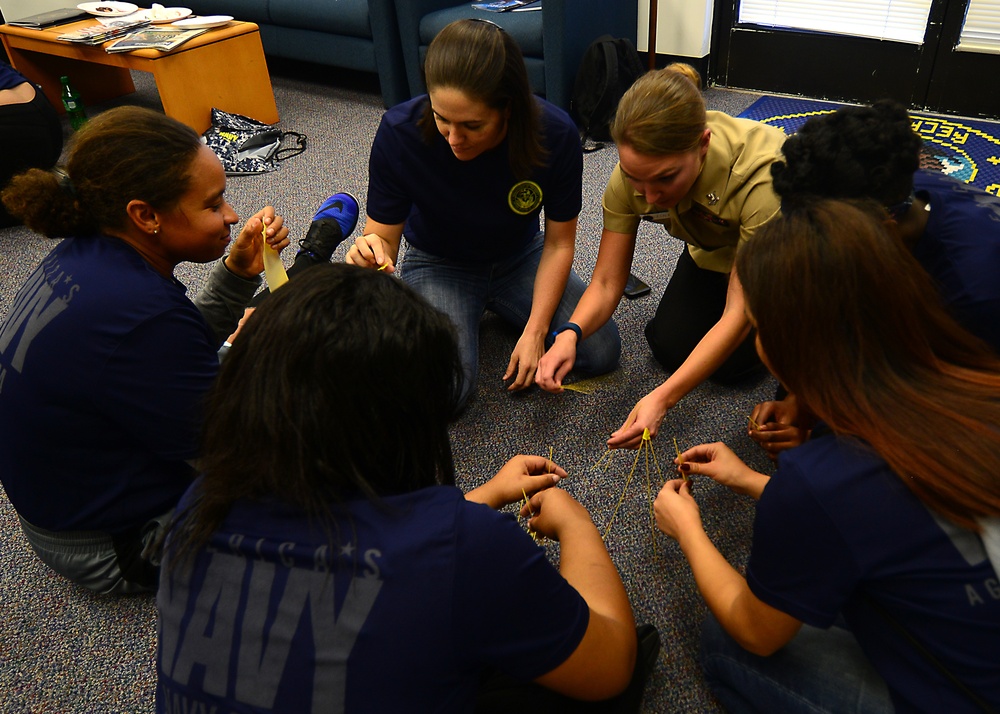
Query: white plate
point(108, 9)
point(167, 14)
point(206, 21)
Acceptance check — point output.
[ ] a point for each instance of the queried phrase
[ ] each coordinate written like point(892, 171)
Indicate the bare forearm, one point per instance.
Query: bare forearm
point(602, 663)
point(756, 626)
point(586, 565)
point(717, 580)
point(550, 282)
point(707, 356)
point(390, 234)
point(754, 484)
point(596, 306)
point(607, 283)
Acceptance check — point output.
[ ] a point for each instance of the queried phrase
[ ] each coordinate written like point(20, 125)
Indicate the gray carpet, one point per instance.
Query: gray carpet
point(65, 650)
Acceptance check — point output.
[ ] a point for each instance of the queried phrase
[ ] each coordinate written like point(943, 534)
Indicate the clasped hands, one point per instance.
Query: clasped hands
point(551, 511)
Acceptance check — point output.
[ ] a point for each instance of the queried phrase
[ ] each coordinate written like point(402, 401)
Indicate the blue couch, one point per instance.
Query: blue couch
point(552, 40)
point(355, 34)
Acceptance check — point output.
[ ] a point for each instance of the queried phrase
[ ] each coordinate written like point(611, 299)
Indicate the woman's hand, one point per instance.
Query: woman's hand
point(370, 251)
point(553, 513)
point(676, 511)
point(557, 362)
point(778, 426)
point(719, 463)
point(524, 361)
point(519, 476)
point(648, 413)
point(246, 257)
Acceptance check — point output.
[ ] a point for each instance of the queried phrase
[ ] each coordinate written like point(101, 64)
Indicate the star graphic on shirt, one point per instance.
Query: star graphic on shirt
point(347, 550)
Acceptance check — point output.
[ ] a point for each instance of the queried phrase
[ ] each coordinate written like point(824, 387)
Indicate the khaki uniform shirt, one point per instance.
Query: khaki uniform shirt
point(731, 198)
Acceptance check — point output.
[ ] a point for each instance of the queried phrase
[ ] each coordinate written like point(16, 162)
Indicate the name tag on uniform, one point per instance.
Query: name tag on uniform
point(655, 217)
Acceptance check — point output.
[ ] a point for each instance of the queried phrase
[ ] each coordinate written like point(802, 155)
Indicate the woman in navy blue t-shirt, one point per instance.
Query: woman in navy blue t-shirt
point(463, 174)
point(883, 520)
point(104, 359)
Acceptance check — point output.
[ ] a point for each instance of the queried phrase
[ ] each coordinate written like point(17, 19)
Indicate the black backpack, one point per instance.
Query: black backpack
point(608, 68)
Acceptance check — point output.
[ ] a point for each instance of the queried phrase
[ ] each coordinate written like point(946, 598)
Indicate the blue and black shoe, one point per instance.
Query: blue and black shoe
point(335, 220)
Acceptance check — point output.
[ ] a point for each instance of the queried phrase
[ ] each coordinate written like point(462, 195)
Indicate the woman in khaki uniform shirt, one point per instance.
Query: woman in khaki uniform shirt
point(706, 177)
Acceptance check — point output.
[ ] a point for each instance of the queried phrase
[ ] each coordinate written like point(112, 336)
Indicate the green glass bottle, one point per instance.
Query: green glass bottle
point(73, 104)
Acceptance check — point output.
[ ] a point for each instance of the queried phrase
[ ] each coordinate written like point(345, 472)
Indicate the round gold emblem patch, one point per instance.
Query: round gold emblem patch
point(524, 197)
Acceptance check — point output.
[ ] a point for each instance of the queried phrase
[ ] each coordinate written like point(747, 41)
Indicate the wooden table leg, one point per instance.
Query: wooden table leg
point(230, 75)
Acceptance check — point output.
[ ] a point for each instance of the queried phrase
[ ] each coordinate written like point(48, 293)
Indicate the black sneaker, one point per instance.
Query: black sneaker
point(335, 220)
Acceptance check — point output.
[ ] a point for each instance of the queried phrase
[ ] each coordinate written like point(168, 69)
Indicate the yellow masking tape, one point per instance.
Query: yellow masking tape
point(274, 269)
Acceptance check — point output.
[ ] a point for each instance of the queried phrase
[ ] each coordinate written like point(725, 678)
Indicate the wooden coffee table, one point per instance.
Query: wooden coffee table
point(223, 67)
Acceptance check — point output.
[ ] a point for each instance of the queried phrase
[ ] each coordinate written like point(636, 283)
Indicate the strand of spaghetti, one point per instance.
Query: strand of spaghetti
point(649, 496)
point(656, 462)
point(646, 445)
point(549, 464)
point(587, 386)
point(753, 423)
point(614, 513)
point(603, 457)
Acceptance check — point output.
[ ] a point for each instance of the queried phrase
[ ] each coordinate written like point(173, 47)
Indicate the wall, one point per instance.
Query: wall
point(683, 27)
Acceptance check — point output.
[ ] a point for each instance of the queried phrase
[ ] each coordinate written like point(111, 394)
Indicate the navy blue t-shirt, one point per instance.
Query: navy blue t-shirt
point(960, 249)
point(395, 608)
point(470, 211)
point(836, 529)
point(103, 367)
point(10, 77)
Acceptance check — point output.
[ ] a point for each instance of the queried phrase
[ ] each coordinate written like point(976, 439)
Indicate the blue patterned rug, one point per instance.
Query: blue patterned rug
point(968, 149)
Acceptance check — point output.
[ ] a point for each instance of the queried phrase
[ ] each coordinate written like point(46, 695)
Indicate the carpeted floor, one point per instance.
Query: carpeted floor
point(64, 650)
point(966, 149)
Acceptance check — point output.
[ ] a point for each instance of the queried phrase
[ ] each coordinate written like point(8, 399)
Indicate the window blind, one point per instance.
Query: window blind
point(897, 20)
point(981, 30)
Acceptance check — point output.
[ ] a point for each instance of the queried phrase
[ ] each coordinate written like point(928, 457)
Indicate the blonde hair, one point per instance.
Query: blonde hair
point(662, 113)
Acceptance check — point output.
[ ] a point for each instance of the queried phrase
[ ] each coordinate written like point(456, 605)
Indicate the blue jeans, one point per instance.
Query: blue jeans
point(819, 671)
point(464, 291)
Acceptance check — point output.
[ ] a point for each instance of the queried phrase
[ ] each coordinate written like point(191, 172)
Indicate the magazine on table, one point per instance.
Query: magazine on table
point(106, 29)
point(504, 5)
point(155, 38)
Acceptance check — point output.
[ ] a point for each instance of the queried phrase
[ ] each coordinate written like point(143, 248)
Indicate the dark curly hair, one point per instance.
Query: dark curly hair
point(854, 152)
